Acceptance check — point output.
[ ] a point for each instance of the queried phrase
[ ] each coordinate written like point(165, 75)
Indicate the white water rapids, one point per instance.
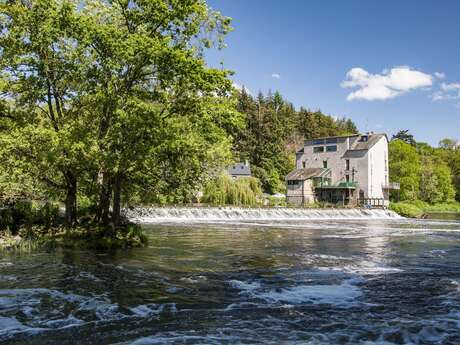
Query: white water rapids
point(148, 215)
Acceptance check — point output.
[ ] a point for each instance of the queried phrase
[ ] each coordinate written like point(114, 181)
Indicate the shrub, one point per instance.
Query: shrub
point(406, 209)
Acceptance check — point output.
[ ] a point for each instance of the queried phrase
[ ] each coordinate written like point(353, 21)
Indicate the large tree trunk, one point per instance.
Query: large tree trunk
point(105, 194)
point(116, 208)
point(70, 217)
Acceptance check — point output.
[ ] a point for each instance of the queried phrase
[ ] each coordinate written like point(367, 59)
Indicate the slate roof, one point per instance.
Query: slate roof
point(360, 148)
point(354, 154)
point(366, 145)
point(306, 173)
point(239, 169)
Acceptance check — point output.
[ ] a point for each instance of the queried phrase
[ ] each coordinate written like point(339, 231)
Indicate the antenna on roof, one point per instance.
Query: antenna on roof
point(367, 125)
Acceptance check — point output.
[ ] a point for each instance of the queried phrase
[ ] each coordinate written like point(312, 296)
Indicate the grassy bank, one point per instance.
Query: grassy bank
point(416, 209)
point(28, 224)
point(79, 236)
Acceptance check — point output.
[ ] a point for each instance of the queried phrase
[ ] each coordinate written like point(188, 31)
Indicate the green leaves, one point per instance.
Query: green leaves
point(106, 91)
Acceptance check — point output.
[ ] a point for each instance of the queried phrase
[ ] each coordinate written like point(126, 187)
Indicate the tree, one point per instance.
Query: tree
point(405, 136)
point(42, 72)
point(109, 85)
point(448, 143)
point(405, 168)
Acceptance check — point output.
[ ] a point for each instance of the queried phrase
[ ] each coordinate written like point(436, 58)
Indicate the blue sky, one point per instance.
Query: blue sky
point(387, 65)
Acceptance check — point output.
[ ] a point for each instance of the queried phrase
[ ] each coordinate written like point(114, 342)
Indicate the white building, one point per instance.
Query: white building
point(346, 169)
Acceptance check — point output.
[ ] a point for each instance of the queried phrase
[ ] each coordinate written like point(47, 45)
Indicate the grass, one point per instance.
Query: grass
point(417, 208)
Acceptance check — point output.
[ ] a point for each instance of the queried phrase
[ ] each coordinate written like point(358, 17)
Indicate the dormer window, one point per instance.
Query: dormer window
point(364, 138)
point(318, 149)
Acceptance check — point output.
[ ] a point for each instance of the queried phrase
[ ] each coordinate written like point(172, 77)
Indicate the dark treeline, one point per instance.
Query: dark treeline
point(273, 131)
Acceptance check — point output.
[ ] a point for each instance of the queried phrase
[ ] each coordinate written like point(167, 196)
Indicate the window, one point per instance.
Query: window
point(347, 164)
point(303, 165)
point(331, 141)
point(318, 149)
point(331, 148)
point(293, 182)
point(347, 177)
point(364, 138)
point(318, 142)
point(325, 164)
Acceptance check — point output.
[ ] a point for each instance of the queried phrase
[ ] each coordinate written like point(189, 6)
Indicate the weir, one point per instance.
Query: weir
point(210, 214)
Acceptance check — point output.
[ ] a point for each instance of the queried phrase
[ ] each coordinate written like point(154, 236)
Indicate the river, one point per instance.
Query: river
point(314, 281)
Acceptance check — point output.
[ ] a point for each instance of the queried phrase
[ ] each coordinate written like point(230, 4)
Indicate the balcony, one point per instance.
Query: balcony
point(340, 185)
point(391, 186)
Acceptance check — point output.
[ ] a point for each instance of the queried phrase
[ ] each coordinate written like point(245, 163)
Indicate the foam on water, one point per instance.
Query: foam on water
point(213, 214)
point(343, 294)
point(64, 310)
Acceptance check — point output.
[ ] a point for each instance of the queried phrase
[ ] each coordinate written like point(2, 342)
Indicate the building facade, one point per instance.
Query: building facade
point(352, 170)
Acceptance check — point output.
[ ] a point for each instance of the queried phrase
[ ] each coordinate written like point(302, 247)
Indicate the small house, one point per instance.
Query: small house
point(239, 170)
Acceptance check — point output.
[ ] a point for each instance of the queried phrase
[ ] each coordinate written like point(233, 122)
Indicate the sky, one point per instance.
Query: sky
point(387, 65)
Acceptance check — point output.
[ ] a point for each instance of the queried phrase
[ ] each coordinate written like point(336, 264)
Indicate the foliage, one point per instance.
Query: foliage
point(448, 143)
point(273, 131)
point(107, 101)
point(405, 167)
point(25, 214)
point(425, 173)
point(417, 208)
point(405, 136)
point(406, 209)
point(224, 190)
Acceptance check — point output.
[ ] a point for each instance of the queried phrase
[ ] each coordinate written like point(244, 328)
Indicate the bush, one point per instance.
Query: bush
point(25, 214)
point(406, 209)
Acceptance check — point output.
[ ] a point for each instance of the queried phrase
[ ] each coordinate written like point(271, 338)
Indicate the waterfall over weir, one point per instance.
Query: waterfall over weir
point(213, 214)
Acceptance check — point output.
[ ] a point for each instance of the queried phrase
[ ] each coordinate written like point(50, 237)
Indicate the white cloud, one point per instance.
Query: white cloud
point(439, 75)
point(447, 91)
point(240, 87)
point(387, 85)
point(276, 76)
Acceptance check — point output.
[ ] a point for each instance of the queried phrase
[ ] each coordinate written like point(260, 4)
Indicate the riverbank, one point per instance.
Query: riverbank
point(27, 224)
point(78, 236)
point(419, 209)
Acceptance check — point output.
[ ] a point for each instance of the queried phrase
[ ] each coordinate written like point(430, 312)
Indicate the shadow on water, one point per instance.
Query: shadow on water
point(340, 282)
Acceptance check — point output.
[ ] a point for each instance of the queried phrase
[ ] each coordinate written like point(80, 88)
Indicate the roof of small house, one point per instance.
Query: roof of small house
point(306, 173)
point(239, 169)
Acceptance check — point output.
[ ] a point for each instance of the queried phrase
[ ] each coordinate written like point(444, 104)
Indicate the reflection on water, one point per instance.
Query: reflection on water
point(444, 215)
point(315, 282)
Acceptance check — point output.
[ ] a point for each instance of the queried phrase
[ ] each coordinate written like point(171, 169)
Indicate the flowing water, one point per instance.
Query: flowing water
point(366, 278)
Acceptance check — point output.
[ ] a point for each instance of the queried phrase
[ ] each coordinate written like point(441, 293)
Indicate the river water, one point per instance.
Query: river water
point(316, 281)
